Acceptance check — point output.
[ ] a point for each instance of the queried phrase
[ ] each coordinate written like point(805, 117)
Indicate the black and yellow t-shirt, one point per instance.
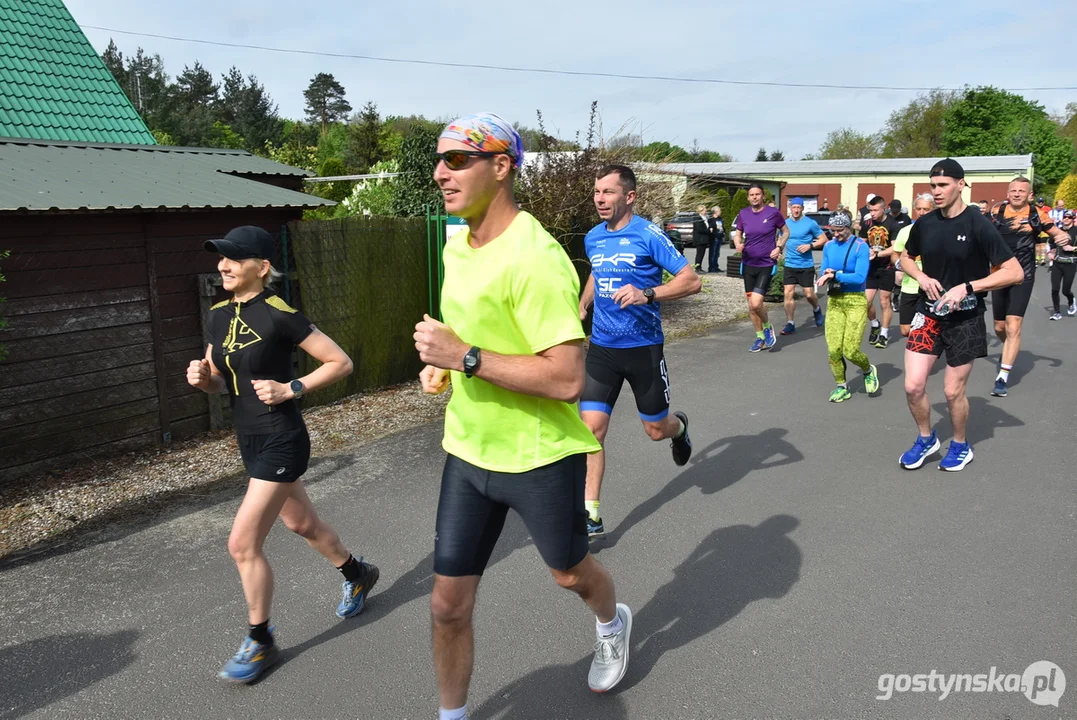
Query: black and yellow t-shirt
point(253, 340)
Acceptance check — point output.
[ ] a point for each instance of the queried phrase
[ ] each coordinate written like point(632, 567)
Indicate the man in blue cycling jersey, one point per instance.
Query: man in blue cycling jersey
point(628, 254)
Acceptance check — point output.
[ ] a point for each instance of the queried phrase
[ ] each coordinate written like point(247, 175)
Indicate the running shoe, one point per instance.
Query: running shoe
point(873, 337)
point(1000, 388)
point(957, 457)
point(1055, 316)
point(882, 341)
point(595, 527)
point(611, 655)
point(920, 451)
point(768, 337)
point(789, 329)
point(354, 593)
point(894, 298)
point(1072, 309)
point(840, 394)
point(758, 345)
point(682, 446)
point(871, 380)
point(818, 317)
point(253, 659)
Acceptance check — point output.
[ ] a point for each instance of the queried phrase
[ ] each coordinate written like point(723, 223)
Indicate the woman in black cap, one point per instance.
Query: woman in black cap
point(252, 337)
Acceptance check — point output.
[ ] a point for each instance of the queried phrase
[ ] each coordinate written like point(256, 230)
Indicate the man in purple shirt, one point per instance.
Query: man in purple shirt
point(759, 234)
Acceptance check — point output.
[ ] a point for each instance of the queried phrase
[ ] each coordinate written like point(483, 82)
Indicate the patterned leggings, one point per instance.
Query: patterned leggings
point(846, 317)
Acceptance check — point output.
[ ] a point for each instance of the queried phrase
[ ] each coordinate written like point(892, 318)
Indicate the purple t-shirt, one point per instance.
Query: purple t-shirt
point(759, 232)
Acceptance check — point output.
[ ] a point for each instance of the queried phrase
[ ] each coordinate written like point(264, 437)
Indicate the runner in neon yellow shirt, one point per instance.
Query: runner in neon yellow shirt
point(511, 345)
point(910, 289)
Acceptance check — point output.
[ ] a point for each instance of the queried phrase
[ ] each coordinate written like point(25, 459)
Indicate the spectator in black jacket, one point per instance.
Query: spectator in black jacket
point(717, 231)
point(701, 236)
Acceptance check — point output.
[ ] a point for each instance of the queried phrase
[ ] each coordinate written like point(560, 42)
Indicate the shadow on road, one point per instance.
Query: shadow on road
point(37, 673)
point(984, 419)
point(712, 469)
point(733, 567)
point(412, 585)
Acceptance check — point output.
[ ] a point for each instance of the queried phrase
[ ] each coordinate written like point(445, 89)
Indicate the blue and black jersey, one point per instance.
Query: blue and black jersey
point(634, 255)
point(254, 340)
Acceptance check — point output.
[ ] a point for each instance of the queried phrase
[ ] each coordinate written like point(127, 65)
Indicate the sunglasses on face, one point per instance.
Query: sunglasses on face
point(458, 159)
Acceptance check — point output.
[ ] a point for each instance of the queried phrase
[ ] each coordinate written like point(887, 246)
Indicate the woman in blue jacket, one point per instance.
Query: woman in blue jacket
point(845, 269)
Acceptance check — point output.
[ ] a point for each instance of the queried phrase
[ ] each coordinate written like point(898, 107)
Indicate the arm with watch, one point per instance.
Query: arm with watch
point(335, 365)
point(686, 282)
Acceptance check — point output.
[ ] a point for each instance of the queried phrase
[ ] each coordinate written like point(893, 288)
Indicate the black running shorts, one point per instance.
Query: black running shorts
point(474, 502)
point(881, 278)
point(907, 307)
point(804, 277)
point(277, 457)
point(962, 340)
point(1012, 300)
point(757, 279)
point(643, 367)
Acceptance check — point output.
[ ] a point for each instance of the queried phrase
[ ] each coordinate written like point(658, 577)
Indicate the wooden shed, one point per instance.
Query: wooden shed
point(103, 300)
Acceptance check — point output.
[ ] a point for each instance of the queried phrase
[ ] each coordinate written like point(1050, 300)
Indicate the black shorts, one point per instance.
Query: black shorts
point(907, 307)
point(804, 277)
point(277, 457)
point(962, 340)
point(643, 367)
point(1012, 300)
point(474, 502)
point(757, 279)
point(881, 278)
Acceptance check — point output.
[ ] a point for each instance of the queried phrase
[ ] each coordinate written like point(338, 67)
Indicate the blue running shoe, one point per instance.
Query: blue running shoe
point(595, 527)
point(768, 337)
point(957, 457)
point(758, 345)
point(923, 448)
point(253, 659)
point(789, 329)
point(1000, 388)
point(818, 317)
point(354, 593)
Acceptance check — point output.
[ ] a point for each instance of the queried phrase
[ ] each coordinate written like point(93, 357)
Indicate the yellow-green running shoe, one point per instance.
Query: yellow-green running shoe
point(840, 394)
point(871, 380)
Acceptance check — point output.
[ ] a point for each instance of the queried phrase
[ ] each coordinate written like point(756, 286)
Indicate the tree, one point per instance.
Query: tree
point(415, 188)
point(915, 130)
point(247, 108)
point(142, 79)
point(1067, 191)
point(846, 143)
point(113, 60)
point(738, 203)
point(190, 110)
point(761, 156)
point(709, 156)
point(989, 121)
point(777, 156)
point(325, 101)
point(365, 139)
point(373, 196)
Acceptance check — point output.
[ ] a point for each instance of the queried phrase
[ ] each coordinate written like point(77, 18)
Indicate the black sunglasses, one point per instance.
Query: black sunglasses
point(457, 159)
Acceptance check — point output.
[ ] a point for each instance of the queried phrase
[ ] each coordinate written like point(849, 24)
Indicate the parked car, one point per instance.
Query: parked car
point(685, 225)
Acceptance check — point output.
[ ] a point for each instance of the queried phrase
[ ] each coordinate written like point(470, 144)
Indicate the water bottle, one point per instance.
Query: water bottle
point(941, 309)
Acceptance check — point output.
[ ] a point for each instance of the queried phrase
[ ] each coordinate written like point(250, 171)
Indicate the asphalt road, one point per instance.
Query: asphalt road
point(778, 575)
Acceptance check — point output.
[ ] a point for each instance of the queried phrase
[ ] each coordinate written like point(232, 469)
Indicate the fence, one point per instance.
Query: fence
point(364, 281)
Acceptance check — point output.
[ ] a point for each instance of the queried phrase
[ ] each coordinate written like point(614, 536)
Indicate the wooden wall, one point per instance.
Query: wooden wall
point(103, 314)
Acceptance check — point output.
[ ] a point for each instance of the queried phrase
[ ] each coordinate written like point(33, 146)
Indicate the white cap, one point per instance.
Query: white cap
point(870, 197)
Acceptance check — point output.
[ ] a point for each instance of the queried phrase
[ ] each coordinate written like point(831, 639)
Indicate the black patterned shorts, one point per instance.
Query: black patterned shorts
point(962, 340)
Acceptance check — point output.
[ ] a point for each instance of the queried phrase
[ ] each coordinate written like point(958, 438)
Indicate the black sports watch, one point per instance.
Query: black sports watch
point(649, 294)
point(471, 362)
point(968, 289)
point(297, 388)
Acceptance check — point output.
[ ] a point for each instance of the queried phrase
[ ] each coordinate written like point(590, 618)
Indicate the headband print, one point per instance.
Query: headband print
point(487, 132)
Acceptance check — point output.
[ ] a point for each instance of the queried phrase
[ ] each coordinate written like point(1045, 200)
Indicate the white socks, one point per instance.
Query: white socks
point(613, 627)
point(1004, 373)
point(457, 714)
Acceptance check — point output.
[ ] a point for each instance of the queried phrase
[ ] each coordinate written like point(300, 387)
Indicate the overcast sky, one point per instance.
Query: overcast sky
point(911, 43)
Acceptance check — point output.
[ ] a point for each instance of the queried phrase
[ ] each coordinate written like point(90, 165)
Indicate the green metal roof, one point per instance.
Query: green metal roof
point(53, 85)
point(39, 175)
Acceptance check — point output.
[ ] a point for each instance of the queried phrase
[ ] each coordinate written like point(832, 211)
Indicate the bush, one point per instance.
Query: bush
point(1067, 191)
point(777, 281)
point(415, 188)
point(373, 196)
point(738, 203)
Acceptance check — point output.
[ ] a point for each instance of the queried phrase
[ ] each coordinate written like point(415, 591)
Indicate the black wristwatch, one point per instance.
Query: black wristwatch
point(471, 362)
point(968, 289)
point(649, 294)
point(297, 389)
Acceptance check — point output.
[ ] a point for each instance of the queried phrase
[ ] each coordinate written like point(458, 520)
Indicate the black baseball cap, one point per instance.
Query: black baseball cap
point(244, 242)
point(895, 205)
point(948, 168)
